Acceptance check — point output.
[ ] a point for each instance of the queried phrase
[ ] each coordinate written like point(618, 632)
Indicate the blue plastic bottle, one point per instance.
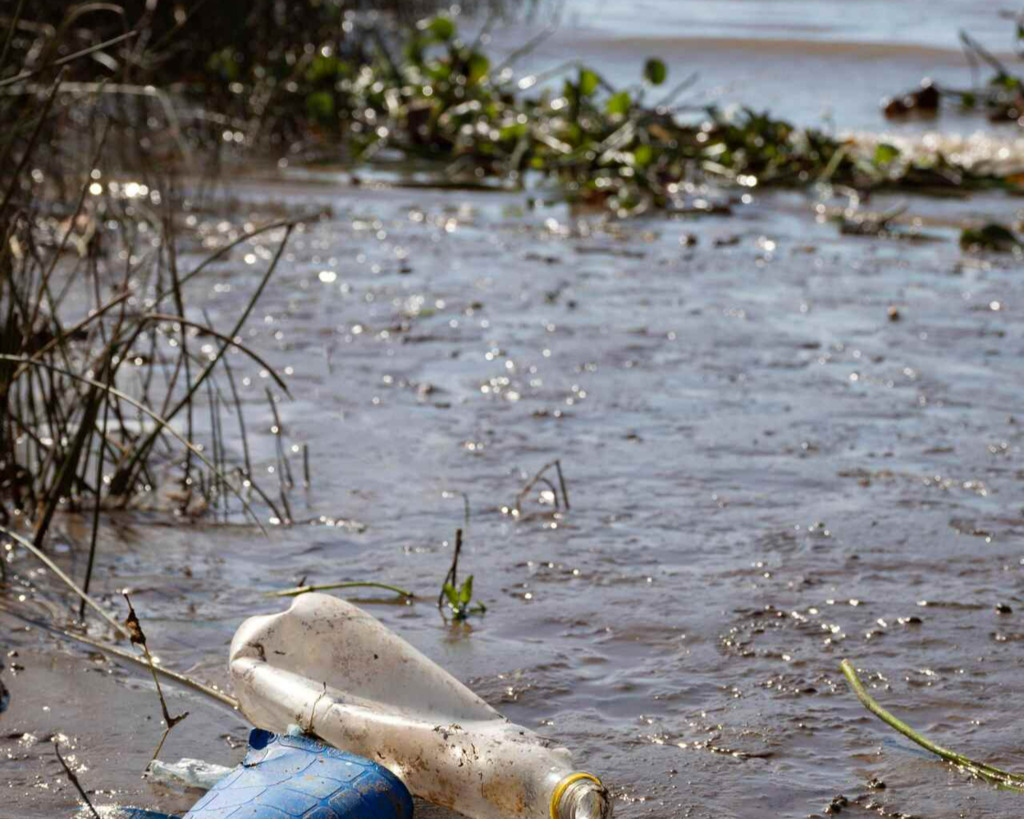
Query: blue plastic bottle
point(294, 777)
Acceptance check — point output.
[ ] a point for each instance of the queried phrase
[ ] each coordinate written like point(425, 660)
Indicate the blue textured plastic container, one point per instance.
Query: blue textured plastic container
point(285, 777)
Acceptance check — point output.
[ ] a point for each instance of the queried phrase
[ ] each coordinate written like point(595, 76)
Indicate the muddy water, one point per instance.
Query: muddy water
point(767, 474)
point(826, 63)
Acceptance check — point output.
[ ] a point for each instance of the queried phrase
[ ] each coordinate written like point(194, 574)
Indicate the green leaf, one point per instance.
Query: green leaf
point(466, 593)
point(477, 68)
point(438, 70)
point(619, 103)
point(1005, 82)
point(885, 153)
point(588, 82)
point(320, 105)
point(452, 595)
point(643, 155)
point(442, 28)
point(414, 50)
point(655, 71)
point(323, 68)
point(517, 131)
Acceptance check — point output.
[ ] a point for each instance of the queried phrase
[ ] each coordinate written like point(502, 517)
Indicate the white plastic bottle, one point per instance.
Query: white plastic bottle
point(335, 671)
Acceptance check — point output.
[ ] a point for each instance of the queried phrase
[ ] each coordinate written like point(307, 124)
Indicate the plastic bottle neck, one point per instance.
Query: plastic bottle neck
point(580, 796)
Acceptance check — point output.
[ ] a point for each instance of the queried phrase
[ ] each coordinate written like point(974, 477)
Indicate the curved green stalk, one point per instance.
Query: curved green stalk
point(979, 769)
point(295, 592)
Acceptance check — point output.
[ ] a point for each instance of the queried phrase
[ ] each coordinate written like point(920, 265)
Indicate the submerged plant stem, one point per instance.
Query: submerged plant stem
point(297, 590)
point(979, 769)
point(128, 656)
point(73, 779)
point(162, 423)
point(138, 638)
point(53, 567)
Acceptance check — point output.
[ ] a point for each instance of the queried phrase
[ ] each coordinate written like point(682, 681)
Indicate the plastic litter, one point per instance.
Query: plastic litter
point(340, 674)
point(287, 777)
point(284, 776)
point(189, 773)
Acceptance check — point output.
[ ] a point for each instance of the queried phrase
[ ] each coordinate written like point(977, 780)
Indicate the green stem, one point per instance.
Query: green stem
point(979, 769)
point(295, 592)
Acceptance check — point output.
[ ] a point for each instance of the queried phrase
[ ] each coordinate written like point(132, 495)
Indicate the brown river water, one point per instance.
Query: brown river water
point(783, 447)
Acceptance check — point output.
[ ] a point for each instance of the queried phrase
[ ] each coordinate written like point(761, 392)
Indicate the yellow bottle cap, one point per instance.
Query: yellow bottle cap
point(563, 786)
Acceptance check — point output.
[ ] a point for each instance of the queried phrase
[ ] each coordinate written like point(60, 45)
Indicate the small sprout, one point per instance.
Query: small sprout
point(459, 597)
point(461, 600)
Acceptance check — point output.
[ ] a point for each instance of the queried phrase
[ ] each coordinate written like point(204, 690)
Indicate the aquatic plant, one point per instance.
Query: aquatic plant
point(558, 495)
point(256, 73)
point(85, 415)
point(981, 770)
point(330, 83)
point(1000, 96)
point(445, 102)
point(138, 638)
point(104, 363)
point(458, 596)
point(460, 600)
point(593, 142)
point(347, 584)
point(73, 779)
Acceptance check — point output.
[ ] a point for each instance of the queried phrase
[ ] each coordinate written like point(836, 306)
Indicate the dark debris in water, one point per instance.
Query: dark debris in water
point(1000, 96)
point(991, 237)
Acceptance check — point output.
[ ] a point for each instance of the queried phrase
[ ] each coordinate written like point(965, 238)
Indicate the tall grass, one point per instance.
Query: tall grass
point(115, 387)
point(99, 370)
